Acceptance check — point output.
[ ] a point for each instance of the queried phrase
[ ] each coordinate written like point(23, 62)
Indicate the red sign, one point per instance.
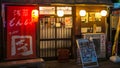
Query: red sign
point(21, 33)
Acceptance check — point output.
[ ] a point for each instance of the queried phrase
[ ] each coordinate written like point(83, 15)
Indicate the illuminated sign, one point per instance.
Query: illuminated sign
point(21, 33)
point(116, 5)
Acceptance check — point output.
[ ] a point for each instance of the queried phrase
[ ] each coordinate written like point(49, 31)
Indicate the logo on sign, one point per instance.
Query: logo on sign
point(21, 45)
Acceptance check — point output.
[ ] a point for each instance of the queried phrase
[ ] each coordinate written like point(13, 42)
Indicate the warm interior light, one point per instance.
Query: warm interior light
point(60, 13)
point(35, 15)
point(97, 15)
point(82, 12)
point(103, 13)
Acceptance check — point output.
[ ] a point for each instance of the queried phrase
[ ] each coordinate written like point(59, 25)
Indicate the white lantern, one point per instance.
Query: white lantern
point(103, 13)
point(60, 13)
point(82, 12)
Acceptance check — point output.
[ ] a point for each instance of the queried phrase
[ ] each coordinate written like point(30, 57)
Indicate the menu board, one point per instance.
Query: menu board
point(87, 52)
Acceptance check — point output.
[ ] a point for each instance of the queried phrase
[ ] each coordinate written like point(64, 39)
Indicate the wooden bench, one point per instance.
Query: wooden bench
point(29, 63)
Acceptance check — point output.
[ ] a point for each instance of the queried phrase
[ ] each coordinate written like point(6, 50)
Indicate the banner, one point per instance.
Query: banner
point(21, 33)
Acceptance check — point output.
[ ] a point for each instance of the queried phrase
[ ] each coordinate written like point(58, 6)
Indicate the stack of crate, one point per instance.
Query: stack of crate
point(63, 55)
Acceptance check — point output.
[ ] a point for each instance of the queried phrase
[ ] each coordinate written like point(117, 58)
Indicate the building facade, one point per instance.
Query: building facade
point(27, 35)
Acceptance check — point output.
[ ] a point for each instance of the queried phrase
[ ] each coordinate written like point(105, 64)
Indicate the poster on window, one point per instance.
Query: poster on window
point(21, 33)
point(68, 22)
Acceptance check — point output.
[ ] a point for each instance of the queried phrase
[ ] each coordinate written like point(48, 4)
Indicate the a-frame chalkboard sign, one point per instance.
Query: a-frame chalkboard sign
point(87, 53)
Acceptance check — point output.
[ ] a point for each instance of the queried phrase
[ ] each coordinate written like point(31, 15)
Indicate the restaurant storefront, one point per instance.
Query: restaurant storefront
point(39, 29)
point(94, 25)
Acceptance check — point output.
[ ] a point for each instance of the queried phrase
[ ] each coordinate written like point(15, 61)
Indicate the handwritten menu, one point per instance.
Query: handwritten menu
point(87, 52)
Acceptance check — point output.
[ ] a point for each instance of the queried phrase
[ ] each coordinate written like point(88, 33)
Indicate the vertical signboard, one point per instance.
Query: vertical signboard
point(21, 33)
